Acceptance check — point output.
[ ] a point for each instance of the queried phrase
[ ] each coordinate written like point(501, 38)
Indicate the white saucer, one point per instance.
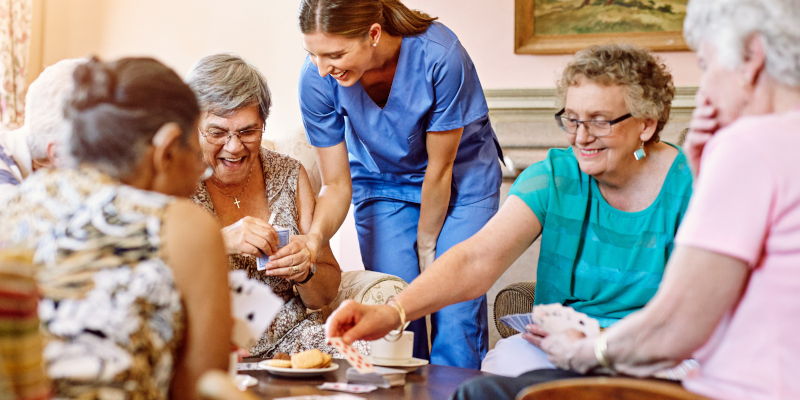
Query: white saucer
point(296, 372)
point(407, 364)
point(244, 381)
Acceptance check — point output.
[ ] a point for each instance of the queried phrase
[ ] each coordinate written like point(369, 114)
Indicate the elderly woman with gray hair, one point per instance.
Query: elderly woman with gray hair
point(252, 191)
point(731, 294)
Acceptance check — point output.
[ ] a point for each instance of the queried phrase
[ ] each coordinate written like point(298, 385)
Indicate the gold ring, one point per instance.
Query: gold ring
point(295, 269)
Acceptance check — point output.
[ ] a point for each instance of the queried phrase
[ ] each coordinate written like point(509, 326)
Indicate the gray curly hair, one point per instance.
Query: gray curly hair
point(727, 25)
point(225, 83)
point(648, 83)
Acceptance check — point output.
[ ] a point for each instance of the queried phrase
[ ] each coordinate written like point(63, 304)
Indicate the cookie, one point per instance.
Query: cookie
point(327, 360)
point(308, 359)
point(281, 356)
point(280, 363)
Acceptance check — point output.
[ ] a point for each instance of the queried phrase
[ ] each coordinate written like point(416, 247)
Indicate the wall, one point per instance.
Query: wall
point(264, 31)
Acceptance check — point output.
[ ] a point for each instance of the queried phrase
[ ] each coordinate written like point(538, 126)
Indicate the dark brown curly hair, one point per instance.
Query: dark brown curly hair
point(649, 88)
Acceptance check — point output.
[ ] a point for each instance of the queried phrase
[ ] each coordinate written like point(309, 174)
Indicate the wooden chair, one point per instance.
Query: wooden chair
point(606, 388)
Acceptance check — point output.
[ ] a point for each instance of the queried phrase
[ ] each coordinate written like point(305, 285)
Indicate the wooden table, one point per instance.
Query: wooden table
point(429, 382)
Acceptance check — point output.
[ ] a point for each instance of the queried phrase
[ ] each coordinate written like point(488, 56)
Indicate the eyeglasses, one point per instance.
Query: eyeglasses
point(595, 127)
point(222, 137)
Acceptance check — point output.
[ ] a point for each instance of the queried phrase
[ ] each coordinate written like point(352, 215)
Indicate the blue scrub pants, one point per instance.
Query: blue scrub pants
point(387, 234)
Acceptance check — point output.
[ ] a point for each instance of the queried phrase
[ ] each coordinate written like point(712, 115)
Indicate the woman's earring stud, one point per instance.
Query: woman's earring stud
point(375, 44)
point(640, 153)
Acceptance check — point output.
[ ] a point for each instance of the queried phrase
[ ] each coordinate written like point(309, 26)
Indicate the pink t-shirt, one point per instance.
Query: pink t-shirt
point(746, 204)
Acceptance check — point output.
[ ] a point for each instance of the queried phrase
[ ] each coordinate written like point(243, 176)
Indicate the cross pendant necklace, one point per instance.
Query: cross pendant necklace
point(235, 197)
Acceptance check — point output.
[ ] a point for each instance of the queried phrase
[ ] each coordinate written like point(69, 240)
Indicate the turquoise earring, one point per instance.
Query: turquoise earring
point(639, 154)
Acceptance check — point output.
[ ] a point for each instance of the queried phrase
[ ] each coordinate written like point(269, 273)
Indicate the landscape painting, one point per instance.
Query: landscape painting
point(565, 26)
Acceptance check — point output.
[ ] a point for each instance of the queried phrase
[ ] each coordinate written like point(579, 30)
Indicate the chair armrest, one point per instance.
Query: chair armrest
point(366, 287)
point(516, 298)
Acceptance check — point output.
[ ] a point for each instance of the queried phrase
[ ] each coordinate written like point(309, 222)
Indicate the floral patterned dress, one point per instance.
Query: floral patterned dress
point(111, 314)
point(295, 328)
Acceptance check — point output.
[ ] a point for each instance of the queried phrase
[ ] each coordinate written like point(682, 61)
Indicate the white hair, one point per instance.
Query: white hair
point(44, 106)
point(728, 24)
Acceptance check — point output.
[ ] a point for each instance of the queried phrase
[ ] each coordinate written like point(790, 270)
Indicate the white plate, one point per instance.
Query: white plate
point(296, 372)
point(410, 363)
point(244, 381)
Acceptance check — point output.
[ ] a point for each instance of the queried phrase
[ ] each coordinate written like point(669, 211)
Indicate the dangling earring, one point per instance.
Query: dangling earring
point(639, 154)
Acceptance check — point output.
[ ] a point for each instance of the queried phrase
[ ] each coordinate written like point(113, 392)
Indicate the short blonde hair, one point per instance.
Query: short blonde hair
point(649, 88)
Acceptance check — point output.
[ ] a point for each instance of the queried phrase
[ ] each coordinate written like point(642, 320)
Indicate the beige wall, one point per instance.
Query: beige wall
point(179, 32)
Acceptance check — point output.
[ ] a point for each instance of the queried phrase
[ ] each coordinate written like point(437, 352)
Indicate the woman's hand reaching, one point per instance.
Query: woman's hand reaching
point(355, 321)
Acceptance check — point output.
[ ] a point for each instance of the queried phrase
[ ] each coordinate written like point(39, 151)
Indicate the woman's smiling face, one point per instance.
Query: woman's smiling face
point(345, 59)
point(232, 161)
point(598, 156)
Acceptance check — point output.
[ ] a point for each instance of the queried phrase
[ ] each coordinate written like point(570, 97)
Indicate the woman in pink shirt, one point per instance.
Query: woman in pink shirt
point(730, 297)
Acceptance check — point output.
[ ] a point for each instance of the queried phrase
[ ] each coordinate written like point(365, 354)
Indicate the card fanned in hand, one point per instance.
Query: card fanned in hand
point(352, 355)
point(253, 306)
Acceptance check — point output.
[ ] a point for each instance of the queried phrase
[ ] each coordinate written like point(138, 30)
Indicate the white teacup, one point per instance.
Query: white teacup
point(388, 352)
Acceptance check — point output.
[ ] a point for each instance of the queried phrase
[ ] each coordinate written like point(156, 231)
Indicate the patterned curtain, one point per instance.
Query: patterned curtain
point(15, 37)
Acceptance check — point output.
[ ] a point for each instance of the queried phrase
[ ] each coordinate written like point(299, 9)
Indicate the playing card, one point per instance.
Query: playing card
point(353, 356)
point(261, 262)
point(253, 306)
point(517, 321)
point(556, 318)
point(347, 387)
point(247, 366)
point(678, 372)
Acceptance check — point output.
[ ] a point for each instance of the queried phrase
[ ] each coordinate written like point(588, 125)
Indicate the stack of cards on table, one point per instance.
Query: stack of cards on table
point(554, 318)
point(347, 387)
point(363, 372)
point(253, 306)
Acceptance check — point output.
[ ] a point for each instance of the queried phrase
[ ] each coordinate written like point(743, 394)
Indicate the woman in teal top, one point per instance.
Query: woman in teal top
point(607, 209)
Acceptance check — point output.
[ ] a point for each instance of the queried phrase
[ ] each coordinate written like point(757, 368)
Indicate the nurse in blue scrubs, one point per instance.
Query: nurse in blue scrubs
point(393, 106)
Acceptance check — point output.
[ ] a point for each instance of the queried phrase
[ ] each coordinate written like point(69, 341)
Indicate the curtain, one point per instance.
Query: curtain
point(15, 37)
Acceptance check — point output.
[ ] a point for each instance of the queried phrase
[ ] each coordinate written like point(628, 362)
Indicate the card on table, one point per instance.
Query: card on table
point(347, 387)
point(253, 306)
point(353, 356)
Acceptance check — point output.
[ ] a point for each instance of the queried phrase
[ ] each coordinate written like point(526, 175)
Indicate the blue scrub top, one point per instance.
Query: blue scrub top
point(435, 88)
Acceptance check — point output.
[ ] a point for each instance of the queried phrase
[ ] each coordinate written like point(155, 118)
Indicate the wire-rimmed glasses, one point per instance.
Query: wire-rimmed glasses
point(222, 137)
point(595, 127)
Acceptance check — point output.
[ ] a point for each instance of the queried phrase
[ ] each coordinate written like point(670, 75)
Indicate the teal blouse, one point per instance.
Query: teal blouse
point(594, 258)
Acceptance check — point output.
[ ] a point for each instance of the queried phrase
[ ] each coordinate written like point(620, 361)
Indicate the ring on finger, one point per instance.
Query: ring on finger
point(295, 269)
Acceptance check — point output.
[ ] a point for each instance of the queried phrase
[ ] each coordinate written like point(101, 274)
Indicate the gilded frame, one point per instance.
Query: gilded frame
point(526, 42)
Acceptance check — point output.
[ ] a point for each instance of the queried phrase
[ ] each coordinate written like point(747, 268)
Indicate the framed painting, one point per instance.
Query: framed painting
point(566, 26)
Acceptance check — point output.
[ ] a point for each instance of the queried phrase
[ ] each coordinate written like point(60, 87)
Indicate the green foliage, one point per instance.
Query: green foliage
point(560, 17)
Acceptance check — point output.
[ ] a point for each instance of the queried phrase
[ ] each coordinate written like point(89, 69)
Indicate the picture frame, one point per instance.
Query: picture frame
point(527, 42)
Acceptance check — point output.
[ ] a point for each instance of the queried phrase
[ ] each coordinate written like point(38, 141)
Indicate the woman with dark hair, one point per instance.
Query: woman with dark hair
point(133, 275)
point(393, 106)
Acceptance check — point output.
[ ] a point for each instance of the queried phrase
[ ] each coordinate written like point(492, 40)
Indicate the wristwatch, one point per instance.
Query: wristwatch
point(310, 274)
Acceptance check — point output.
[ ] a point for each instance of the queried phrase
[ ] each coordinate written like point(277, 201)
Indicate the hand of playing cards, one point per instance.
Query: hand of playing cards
point(253, 306)
point(554, 318)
